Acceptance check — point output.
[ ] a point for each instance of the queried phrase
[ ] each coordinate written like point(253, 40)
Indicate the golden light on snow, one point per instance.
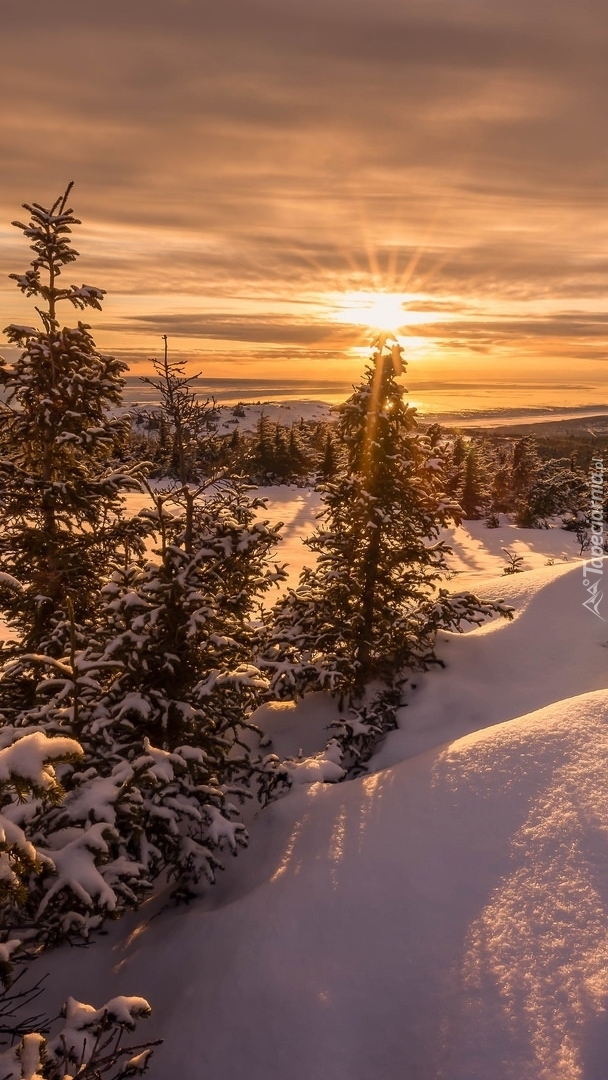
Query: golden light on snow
point(288, 859)
point(336, 846)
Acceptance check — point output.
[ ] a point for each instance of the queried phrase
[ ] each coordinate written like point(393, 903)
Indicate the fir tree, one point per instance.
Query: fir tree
point(459, 450)
point(183, 630)
point(264, 453)
point(329, 462)
point(525, 464)
point(501, 491)
point(435, 435)
point(296, 453)
point(473, 496)
point(62, 521)
point(370, 609)
point(27, 771)
point(281, 465)
point(162, 713)
point(185, 421)
point(181, 624)
point(87, 1041)
point(455, 477)
point(152, 670)
point(553, 489)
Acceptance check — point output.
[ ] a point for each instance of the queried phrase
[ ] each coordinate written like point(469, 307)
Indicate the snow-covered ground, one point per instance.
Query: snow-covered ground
point(478, 551)
point(444, 917)
point(278, 412)
point(296, 508)
point(286, 413)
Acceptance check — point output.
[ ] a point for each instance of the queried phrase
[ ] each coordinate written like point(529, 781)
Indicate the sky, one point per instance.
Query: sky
point(265, 182)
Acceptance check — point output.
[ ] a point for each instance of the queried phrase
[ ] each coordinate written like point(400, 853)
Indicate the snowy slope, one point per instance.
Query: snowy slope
point(442, 918)
point(445, 918)
point(311, 411)
point(553, 649)
point(478, 552)
point(278, 412)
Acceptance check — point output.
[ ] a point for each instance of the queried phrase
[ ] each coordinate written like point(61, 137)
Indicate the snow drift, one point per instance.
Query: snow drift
point(444, 918)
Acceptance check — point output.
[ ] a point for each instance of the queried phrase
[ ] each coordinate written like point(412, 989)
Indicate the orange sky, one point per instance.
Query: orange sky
point(251, 174)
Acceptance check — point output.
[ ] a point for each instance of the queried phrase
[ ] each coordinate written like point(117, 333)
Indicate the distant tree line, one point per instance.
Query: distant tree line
point(535, 481)
point(274, 453)
point(491, 476)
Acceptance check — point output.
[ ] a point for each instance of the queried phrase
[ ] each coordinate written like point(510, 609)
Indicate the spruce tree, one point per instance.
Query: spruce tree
point(185, 422)
point(297, 452)
point(553, 489)
point(151, 671)
point(370, 609)
point(474, 493)
point(61, 500)
point(181, 625)
point(501, 493)
point(162, 712)
point(27, 771)
point(328, 464)
point(525, 463)
point(456, 467)
point(264, 456)
point(87, 1041)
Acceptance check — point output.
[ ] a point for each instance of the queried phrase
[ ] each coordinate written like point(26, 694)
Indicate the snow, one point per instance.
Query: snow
point(553, 649)
point(122, 1010)
point(28, 759)
point(297, 509)
point(30, 1055)
point(75, 869)
point(277, 412)
point(478, 549)
point(444, 917)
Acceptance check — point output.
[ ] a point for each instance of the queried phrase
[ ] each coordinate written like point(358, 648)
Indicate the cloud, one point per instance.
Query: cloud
point(567, 325)
point(269, 149)
point(247, 328)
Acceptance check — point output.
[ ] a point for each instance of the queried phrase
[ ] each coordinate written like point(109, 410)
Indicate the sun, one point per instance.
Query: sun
point(377, 311)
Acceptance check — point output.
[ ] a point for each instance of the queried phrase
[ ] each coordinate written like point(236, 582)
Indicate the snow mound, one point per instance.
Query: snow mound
point(445, 918)
point(554, 649)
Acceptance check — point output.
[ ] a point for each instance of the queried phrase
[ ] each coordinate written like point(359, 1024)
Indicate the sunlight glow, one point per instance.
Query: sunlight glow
point(378, 311)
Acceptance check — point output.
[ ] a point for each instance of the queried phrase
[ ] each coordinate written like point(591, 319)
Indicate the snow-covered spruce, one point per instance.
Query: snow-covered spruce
point(182, 629)
point(88, 1044)
point(371, 607)
point(156, 682)
point(185, 424)
point(160, 708)
point(549, 488)
point(62, 521)
point(490, 477)
point(27, 771)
